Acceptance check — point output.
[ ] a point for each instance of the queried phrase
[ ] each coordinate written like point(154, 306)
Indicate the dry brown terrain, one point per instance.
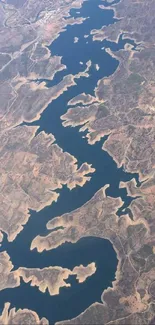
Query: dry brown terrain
point(33, 167)
point(125, 111)
point(8, 278)
point(54, 277)
point(21, 316)
point(51, 278)
point(83, 99)
point(126, 103)
point(131, 297)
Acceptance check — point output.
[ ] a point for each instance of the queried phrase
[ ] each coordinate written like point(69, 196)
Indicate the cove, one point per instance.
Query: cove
point(76, 299)
point(71, 301)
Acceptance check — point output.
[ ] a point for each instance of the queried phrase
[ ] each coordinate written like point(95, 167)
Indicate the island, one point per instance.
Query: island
point(54, 278)
point(51, 278)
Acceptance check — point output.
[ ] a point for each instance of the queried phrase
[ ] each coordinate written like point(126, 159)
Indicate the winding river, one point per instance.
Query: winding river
point(71, 301)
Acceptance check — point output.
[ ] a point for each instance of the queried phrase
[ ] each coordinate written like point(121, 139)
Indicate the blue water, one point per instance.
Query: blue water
point(74, 300)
